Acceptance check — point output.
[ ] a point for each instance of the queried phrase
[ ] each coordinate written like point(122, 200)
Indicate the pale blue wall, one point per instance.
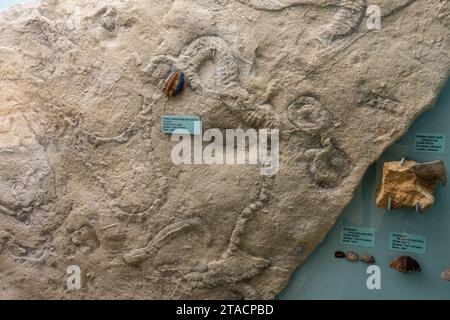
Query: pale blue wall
point(4, 4)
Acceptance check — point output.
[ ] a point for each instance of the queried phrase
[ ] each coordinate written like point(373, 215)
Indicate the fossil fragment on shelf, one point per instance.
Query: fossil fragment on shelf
point(446, 275)
point(231, 272)
point(366, 258)
point(346, 19)
point(405, 264)
point(410, 184)
point(339, 254)
point(223, 86)
point(352, 256)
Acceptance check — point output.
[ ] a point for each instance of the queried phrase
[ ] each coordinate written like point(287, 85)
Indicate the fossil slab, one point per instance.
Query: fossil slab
point(87, 178)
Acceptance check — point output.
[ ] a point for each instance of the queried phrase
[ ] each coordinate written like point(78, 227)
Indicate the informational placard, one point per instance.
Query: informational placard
point(408, 242)
point(170, 123)
point(357, 236)
point(430, 142)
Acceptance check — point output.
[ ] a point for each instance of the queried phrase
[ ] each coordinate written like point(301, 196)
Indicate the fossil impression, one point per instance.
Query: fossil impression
point(87, 178)
point(408, 184)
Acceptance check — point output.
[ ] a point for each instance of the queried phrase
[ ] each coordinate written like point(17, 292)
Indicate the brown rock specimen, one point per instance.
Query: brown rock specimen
point(446, 275)
point(352, 256)
point(339, 254)
point(366, 258)
point(410, 185)
point(405, 264)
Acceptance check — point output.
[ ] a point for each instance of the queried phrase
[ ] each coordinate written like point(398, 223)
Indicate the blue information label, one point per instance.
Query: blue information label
point(408, 242)
point(429, 142)
point(364, 237)
point(191, 124)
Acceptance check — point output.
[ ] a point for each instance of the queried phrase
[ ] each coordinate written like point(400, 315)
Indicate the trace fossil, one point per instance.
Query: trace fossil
point(137, 256)
point(367, 259)
point(329, 165)
point(339, 254)
point(309, 115)
point(227, 87)
point(445, 275)
point(234, 265)
point(230, 272)
point(352, 256)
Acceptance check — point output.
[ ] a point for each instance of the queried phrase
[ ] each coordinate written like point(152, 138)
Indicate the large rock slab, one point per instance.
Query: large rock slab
point(86, 175)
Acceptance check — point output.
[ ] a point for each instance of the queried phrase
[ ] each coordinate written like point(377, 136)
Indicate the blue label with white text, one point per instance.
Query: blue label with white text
point(363, 237)
point(191, 124)
point(430, 143)
point(408, 242)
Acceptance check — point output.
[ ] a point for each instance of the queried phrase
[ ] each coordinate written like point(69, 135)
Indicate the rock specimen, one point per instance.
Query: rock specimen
point(405, 264)
point(446, 275)
point(367, 258)
point(352, 256)
point(410, 184)
point(339, 254)
point(87, 178)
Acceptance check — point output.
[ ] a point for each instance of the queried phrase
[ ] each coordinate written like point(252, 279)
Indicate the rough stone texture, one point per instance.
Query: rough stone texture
point(86, 174)
point(410, 183)
point(405, 264)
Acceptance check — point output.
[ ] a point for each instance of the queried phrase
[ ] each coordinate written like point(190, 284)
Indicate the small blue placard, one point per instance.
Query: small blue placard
point(430, 142)
point(356, 236)
point(191, 124)
point(408, 242)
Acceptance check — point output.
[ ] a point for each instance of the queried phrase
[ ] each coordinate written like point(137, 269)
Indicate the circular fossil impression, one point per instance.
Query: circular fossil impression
point(309, 115)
